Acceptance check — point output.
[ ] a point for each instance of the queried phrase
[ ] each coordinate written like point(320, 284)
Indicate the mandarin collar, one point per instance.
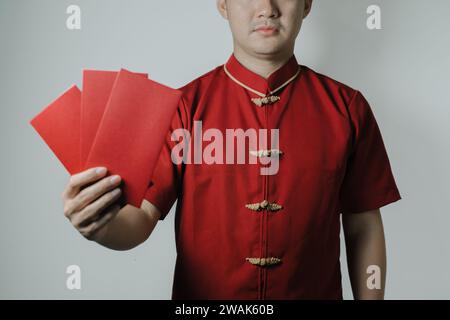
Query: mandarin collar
point(252, 80)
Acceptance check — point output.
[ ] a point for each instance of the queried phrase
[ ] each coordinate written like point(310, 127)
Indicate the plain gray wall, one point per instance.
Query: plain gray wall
point(403, 70)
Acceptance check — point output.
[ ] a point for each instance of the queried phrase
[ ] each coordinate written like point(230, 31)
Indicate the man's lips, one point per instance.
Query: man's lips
point(267, 30)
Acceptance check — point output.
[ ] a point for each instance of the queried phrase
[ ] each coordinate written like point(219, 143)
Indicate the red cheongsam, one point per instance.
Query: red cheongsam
point(241, 234)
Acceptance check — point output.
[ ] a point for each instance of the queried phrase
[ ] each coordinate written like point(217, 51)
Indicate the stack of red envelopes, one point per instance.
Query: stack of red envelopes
point(119, 120)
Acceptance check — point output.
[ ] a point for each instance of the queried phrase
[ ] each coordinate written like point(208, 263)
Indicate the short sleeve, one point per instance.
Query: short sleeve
point(368, 182)
point(163, 189)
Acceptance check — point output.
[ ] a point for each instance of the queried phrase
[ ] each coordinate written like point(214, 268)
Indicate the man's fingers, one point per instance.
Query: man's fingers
point(94, 191)
point(77, 181)
point(91, 230)
point(92, 211)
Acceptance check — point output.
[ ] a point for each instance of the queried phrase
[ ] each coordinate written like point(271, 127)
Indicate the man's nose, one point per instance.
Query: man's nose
point(267, 9)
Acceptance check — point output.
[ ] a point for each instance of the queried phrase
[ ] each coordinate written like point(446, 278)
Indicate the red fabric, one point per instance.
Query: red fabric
point(58, 124)
point(131, 131)
point(334, 162)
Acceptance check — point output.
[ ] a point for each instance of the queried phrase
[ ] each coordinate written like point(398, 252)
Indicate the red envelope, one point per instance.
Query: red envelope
point(97, 85)
point(132, 131)
point(59, 126)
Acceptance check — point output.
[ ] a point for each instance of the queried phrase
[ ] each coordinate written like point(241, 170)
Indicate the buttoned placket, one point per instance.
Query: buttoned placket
point(267, 208)
point(264, 207)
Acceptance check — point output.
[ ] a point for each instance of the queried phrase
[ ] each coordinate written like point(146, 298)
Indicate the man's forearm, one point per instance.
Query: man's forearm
point(366, 247)
point(127, 230)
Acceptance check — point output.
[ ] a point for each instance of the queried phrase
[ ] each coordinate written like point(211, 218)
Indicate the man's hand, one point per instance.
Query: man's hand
point(91, 201)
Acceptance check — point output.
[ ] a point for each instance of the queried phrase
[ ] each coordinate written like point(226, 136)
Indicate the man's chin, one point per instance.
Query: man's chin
point(268, 50)
point(268, 46)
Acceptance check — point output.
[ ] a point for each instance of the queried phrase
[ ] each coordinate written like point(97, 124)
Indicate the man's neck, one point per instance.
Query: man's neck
point(263, 66)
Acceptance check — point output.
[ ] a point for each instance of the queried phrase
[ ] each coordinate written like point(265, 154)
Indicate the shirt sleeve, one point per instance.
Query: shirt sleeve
point(368, 182)
point(163, 188)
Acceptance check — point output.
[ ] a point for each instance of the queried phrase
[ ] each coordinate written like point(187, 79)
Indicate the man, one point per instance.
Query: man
point(242, 232)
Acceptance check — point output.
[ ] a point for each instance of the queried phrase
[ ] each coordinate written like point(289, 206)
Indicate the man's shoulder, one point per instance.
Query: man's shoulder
point(201, 83)
point(326, 84)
